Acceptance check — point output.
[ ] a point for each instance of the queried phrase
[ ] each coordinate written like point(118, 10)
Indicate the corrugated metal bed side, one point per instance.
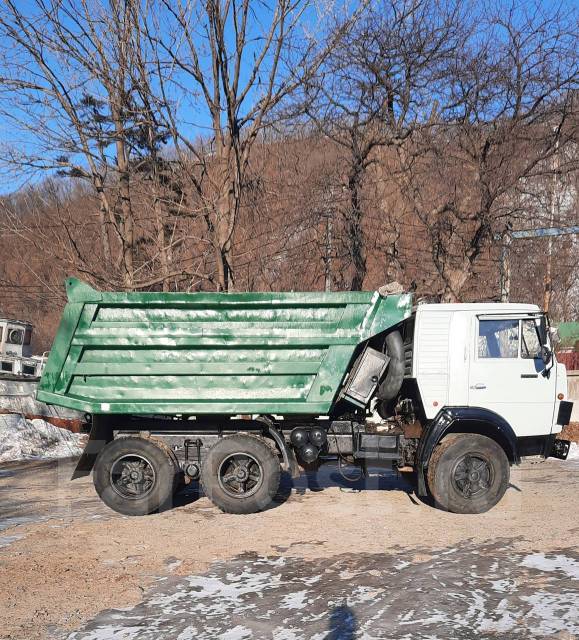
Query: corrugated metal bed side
point(209, 353)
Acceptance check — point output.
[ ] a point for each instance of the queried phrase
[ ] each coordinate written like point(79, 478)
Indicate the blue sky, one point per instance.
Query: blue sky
point(193, 115)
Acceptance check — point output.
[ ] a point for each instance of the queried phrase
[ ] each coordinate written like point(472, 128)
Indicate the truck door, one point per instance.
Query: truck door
point(508, 376)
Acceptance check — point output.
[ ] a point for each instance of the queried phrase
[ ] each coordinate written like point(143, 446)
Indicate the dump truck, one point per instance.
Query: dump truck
point(232, 389)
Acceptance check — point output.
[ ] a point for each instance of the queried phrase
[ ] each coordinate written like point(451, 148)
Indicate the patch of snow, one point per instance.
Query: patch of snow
point(437, 617)
point(363, 594)
point(477, 607)
point(174, 564)
point(553, 613)
point(555, 563)
point(505, 620)
point(111, 633)
point(295, 600)
point(572, 456)
point(369, 312)
point(279, 562)
point(286, 634)
point(215, 596)
point(408, 616)
point(22, 439)
point(503, 586)
point(237, 633)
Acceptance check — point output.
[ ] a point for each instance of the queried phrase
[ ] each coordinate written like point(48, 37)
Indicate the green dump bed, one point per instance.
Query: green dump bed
point(209, 353)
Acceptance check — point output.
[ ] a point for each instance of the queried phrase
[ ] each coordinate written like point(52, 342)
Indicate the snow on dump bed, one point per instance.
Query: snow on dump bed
point(22, 439)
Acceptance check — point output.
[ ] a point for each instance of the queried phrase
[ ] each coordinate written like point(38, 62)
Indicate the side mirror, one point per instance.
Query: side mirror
point(546, 354)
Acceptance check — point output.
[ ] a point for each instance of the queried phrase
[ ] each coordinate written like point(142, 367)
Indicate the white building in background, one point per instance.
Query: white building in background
point(15, 350)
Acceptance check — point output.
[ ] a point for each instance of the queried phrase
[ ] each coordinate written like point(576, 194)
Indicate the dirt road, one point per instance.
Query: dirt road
point(322, 563)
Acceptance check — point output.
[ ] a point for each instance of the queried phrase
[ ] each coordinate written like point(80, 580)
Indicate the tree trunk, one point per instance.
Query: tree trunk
point(127, 222)
point(128, 231)
point(354, 231)
point(104, 220)
point(454, 280)
point(162, 243)
point(226, 208)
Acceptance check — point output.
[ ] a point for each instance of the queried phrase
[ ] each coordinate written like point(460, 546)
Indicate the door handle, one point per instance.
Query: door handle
point(479, 385)
point(529, 375)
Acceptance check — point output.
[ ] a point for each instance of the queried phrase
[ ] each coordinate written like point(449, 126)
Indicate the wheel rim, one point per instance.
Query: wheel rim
point(132, 476)
point(472, 476)
point(240, 475)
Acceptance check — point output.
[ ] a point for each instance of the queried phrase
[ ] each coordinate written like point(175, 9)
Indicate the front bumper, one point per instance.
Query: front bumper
point(560, 449)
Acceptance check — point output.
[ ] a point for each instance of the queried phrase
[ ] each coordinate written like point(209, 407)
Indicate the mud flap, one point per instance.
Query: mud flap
point(289, 460)
point(291, 465)
point(100, 435)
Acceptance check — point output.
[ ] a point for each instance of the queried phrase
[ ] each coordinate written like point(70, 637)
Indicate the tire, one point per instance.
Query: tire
point(156, 476)
point(241, 474)
point(468, 473)
point(389, 387)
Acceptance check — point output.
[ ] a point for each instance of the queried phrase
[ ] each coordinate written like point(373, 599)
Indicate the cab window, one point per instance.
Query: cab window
point(530, 343)
point(498, 338)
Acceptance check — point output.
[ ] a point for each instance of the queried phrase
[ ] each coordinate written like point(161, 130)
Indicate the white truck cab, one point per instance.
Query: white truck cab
point(483, 387)
point(493, 356)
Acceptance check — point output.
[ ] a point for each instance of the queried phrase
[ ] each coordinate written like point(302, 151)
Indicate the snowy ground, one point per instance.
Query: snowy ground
point(467, 592)
point(22, 439)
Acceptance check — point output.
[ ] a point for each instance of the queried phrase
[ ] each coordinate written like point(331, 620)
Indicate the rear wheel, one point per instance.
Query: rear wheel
point(468, 473)
point(241, 474)
point(134, 476)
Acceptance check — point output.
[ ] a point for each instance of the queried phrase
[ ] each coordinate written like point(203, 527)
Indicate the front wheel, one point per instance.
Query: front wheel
point(468, 473)
point(240, 474)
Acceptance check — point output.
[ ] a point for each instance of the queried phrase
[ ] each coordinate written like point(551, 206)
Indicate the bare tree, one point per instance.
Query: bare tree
point(239, 60)
point(509, 109)
point(75, 86)
point(379, 84)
